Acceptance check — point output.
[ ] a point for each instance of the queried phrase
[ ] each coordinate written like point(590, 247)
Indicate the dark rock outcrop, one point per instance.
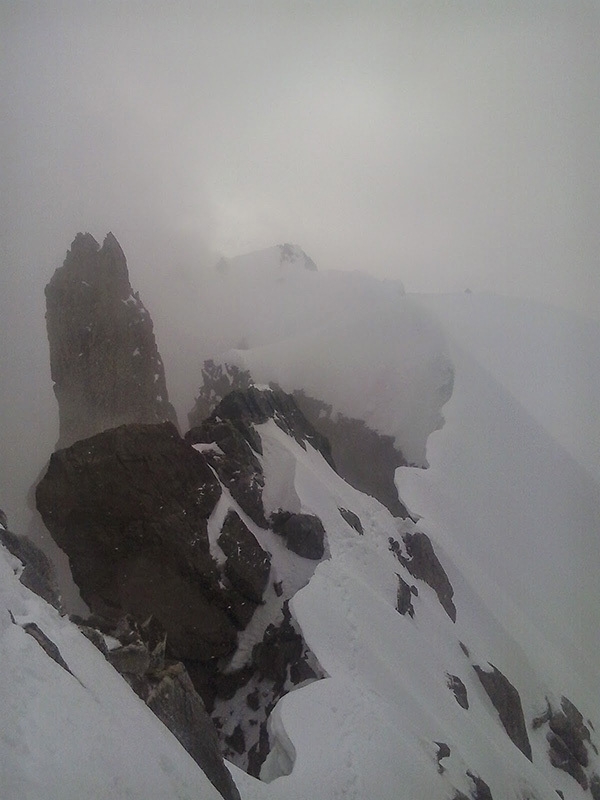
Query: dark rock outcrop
point(228, 392)
point(404, 598)
point(176, 703)
point(443, 751)
point(235, 462)
point(103, 355)
point(165, 687)
point(46, 644)
point(458, 689)
point(38, 573)
point(217, 381)
point(247, 565)
point(507, 703)
point(422, 563)
point(129, 506)
point(363, 457)
point(352, 519)
point(568, 738)
point(304, 534)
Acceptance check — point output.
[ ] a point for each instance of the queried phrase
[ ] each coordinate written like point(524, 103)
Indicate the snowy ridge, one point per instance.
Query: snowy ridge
point(387, 700)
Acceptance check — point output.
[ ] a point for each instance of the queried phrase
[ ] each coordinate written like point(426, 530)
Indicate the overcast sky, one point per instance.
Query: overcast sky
point(449, 144)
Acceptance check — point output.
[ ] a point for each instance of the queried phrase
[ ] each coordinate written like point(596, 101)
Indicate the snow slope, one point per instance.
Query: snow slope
point(370, 729)
point(512, 491)
point(86, 734)
point(510, 501)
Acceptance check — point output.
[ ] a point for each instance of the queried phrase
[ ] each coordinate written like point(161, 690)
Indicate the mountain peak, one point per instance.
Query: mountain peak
point(292, 254)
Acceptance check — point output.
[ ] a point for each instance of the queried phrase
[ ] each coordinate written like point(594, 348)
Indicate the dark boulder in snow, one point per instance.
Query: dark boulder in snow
point(422, 563)
point(129, 506)
point(458, 689)
point(247, 565)
point(104, 361)
point(507, 703)
point(352, 519)
point(304, 534)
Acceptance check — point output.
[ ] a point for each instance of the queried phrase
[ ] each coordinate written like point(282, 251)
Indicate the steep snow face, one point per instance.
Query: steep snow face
point(83, 733)
point(376, 726)
point(513, 486)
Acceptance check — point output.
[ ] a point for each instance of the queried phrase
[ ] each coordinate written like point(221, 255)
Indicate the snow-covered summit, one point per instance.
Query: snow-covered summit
point(275, 259)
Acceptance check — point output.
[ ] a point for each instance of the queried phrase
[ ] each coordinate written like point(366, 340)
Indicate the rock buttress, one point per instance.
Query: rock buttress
point(104, 361)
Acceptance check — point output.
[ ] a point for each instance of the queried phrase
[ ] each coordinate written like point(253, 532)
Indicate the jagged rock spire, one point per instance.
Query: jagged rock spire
point(104, 360)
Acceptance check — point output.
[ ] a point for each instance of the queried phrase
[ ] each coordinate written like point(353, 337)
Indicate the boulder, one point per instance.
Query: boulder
point(129, 506)
point(352, 519)
point(304, 534)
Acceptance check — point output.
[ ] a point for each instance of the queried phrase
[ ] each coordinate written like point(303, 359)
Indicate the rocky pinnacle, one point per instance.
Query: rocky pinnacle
point(104, 361)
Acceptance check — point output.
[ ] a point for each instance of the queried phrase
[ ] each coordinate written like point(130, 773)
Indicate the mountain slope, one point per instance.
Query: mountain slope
point(82, 732)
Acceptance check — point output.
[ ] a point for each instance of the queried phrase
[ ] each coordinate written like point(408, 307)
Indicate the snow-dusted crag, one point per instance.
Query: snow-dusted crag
point(104, 360)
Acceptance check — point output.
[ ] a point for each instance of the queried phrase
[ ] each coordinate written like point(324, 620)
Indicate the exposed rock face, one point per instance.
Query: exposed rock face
point(231, 427)
point(175, 701)
point(459, 690)
point(423, 563)
point(352, 519)
point(38, 573)
point(304, 534)
point(217, 381)
point(103, 356)
point(165, 687)
point(404, 598)
point(247, 565)
point(507, 703)
point(568, 738)
point(129, 507)
point(279, 662)
point(363, 457)
point(235, 462)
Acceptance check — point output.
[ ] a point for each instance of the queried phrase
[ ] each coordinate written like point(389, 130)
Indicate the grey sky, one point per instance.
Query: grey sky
point(452, 145)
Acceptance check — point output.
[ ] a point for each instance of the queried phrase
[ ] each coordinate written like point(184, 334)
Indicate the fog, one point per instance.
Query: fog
point(452, 146)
